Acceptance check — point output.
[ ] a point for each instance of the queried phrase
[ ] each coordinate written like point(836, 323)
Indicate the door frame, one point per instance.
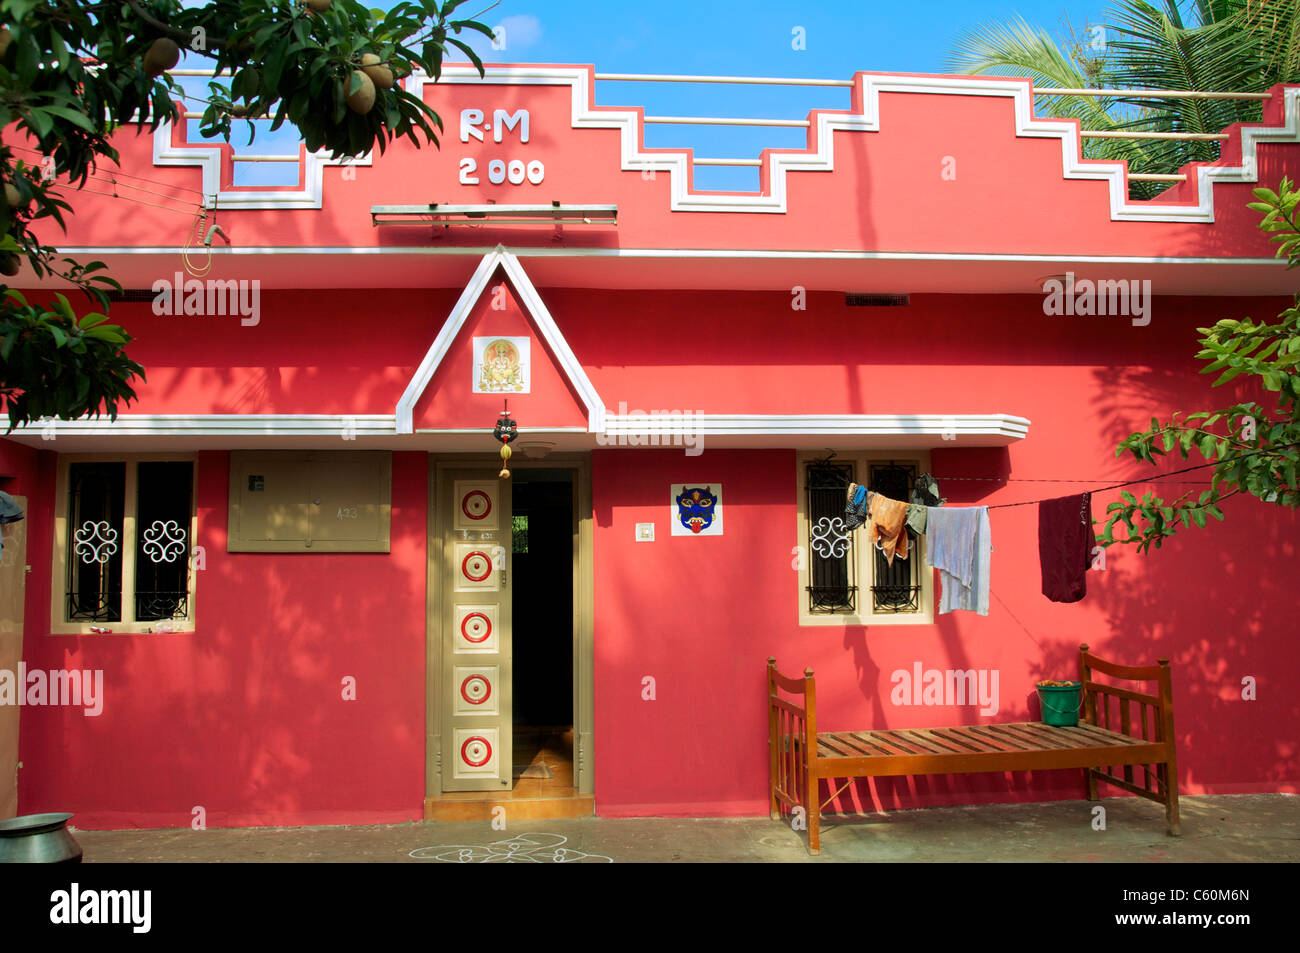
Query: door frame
point(13, 570)
point(436, 625)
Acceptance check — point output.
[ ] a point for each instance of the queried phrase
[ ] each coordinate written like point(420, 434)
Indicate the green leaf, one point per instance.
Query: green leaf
point(107, 334)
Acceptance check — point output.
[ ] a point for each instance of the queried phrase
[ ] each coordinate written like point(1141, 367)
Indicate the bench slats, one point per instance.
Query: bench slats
point(1011, 744)
point(929, 742)
point(1015, 738)
point(1111, 738)
point(1106, 736)
point(856, 747)
point(977, 741)
point(864, 738)
point(1077, 738)
point(1024, 731)
point(893, 745)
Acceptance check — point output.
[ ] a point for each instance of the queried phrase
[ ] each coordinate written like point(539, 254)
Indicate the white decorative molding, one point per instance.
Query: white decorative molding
point(819, 157)
point(208, 157)
point(217, 425)
point(534, 308)
point(941, 426)
point(959, 428)
point(685, 253)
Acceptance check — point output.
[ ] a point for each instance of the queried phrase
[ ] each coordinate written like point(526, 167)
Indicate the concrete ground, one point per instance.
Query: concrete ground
point(1240, 828)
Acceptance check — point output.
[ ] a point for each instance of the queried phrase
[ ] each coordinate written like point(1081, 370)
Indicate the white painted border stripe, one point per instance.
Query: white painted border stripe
point(686, 423)
point(289, 425)
point(468, 251)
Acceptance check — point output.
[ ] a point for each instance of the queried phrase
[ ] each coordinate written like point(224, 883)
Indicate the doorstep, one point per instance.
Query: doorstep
point(478, 806)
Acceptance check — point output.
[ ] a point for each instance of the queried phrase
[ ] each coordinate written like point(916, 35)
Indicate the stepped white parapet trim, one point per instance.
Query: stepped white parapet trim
point(208, 159)
point(585, 115)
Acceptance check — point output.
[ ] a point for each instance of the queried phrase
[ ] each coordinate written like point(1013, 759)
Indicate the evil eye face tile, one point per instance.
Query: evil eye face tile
point(695, 508)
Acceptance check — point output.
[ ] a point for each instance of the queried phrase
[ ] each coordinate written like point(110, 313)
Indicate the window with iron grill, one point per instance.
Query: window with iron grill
point(104, 523)
point(832, 571)
point(96, 495)
point(162, 549)
point(896, 587)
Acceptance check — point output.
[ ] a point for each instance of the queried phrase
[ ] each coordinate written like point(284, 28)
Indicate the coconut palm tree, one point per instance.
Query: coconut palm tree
point(1175, 45)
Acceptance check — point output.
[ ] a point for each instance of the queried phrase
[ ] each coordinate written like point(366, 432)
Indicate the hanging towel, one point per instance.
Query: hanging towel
point(855, 513)
point(959, 544)
point(1065, 542)
point(885, 526)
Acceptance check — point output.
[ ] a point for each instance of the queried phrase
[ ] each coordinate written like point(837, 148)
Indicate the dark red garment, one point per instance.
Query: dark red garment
point(1065, 543)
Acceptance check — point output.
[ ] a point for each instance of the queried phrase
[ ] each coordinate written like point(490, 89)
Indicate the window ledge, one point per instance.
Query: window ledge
point(914, 618)
point(120, 628)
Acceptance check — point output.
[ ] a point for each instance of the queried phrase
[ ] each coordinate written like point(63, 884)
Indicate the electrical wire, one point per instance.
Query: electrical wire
point(1116, 486)
point(127, 198)
point(138, 178)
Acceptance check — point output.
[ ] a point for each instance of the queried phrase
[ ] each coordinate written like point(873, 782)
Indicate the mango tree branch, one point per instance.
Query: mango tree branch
point(183, 39)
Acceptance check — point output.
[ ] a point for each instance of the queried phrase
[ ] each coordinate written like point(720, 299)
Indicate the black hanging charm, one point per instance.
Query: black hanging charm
point(505, 431)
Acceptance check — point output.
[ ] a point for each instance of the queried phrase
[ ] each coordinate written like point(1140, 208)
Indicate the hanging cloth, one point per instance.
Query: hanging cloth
point(10, 512)
point(885, 526)
point(1065, 542)
point(855, 512)
point(925, 493)
point(959, 544)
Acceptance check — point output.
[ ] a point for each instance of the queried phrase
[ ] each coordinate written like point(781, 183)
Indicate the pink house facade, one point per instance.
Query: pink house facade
point(326, 607)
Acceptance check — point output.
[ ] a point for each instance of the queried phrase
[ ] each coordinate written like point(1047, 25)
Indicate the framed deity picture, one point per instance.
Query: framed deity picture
point(501, 365)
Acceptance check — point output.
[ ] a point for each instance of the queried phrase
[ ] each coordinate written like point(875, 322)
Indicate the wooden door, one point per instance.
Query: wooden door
point(477, 647)
point(13, 583)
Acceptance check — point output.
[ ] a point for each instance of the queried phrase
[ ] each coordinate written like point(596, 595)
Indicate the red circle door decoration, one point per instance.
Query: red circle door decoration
point(476, 566)
point(476, 505)
point(476, 689)
point(476, 751)
point(476, 627)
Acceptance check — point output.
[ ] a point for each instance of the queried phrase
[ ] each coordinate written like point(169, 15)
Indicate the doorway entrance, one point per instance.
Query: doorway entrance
point(543, 550)
point(510, 647)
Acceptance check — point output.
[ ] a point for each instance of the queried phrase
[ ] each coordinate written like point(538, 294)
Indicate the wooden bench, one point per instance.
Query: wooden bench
point(1102, 742)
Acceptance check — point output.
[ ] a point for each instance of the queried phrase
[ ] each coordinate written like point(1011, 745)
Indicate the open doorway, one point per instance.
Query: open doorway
point(543, 556)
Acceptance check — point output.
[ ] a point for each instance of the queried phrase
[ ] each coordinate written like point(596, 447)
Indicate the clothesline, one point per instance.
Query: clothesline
point(959, 537)
point(1114, 486)
point(1048, 480)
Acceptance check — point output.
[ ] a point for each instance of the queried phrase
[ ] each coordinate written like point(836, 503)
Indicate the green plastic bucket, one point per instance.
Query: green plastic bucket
point(1060, 704)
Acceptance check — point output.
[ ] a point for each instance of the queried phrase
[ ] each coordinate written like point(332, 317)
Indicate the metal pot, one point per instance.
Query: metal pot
point(38, 839)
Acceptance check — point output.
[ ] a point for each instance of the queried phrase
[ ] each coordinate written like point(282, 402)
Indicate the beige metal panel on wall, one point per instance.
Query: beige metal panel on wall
point(333, 501)
point(13, 584)
point(271, 495)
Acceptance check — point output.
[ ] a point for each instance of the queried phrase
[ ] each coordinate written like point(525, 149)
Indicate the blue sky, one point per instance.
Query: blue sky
point(730, 38)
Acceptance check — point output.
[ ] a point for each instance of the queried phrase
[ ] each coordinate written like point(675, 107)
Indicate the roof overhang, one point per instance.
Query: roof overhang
point(692, 432)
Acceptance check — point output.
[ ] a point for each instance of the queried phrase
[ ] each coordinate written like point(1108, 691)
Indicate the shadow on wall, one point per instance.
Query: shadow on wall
point(1218, 602)
point(249, 716)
